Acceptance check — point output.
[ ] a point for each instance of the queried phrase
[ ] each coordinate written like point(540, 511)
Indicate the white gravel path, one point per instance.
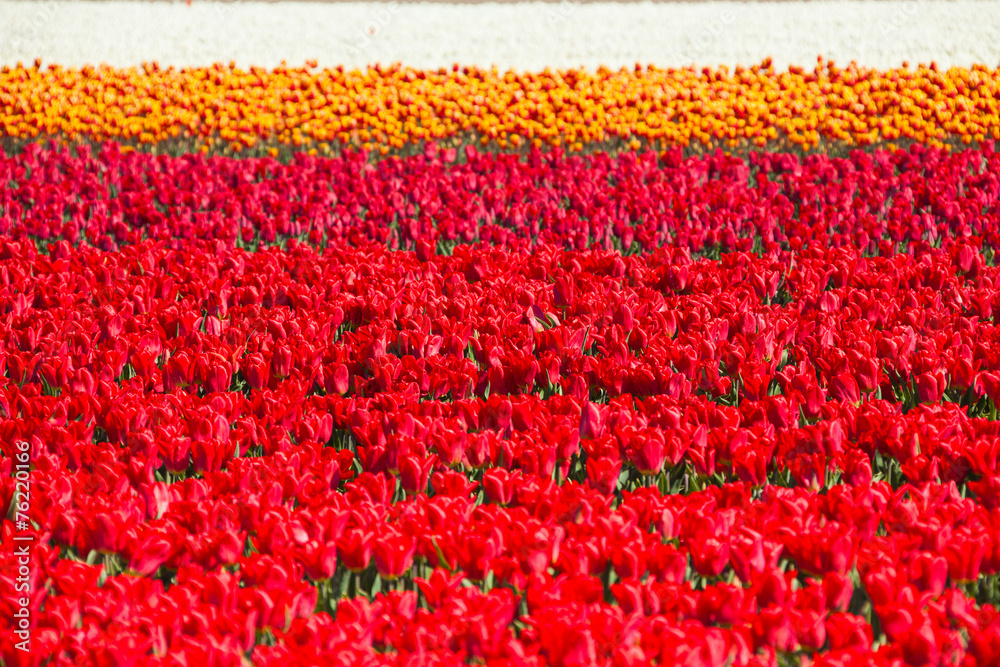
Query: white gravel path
point(524, 36)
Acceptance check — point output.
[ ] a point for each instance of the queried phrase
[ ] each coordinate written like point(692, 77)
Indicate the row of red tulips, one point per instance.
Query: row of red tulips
point(344, 453)
point(74, 370)
point(778, 337)
point(560, 575)
point(876, 202)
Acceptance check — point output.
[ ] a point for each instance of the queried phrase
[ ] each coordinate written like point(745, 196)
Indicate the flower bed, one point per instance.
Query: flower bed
point(391, 109)
point(464, 407)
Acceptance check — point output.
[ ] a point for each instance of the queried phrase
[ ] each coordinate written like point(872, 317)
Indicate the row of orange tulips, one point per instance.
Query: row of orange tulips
point(392, 108)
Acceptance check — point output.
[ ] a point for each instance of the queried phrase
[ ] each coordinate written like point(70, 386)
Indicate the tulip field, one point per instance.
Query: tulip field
point(404, 367)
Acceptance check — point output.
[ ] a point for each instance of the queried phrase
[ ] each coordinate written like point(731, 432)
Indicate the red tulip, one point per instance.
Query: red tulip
point(341, 380)
point(217, 374)
point(844, 388)
point(178, 372)
point(498, 485)
point(650, 455)
point(281, 361)
point(591, 422)
point(415, 473)
point(320, 560)
point(920, 646)
point(393, 553)
point(257, 371)
point(931, 386)
point(929, 572)
point(848, 632)
point(709, 557)
point(564, 291)
point(603, 474)
point(355, 549)
point(150, 555)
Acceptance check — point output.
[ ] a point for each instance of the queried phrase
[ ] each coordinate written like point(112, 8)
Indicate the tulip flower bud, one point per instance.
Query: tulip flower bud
point(564, 291)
